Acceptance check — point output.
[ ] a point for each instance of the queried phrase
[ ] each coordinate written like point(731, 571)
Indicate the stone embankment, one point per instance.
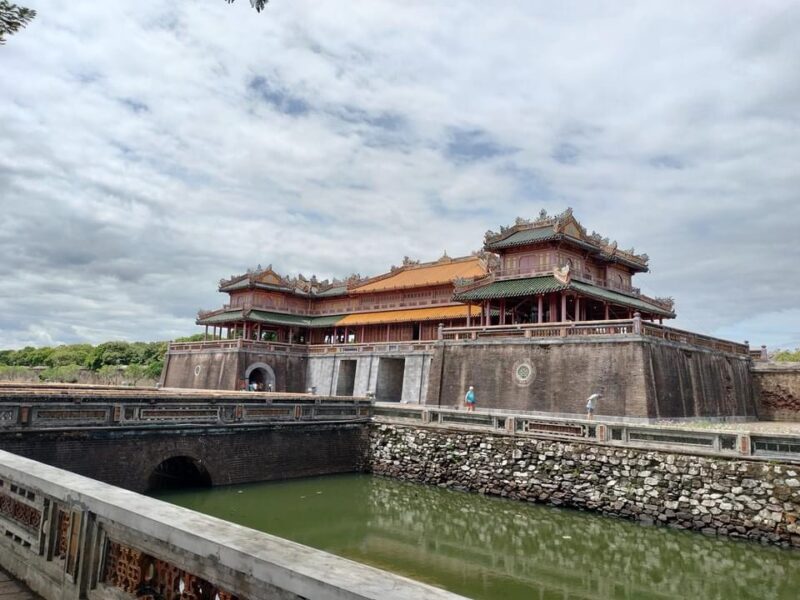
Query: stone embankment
point(732, 497)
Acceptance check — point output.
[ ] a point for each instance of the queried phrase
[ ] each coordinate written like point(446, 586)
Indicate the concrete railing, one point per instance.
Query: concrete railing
point(32, 408)
point(67, 536)
point(237, 344)
point(618, 327)
point(682, 438)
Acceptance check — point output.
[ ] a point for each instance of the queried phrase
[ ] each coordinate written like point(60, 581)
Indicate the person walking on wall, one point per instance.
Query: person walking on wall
point(469, 399)
point(591, 403)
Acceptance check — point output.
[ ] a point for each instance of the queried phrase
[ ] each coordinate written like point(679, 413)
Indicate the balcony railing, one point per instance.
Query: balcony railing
point(617, 327)
point(547, 269)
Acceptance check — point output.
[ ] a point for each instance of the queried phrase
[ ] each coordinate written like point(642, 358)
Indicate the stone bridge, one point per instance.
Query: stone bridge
point(143, 439)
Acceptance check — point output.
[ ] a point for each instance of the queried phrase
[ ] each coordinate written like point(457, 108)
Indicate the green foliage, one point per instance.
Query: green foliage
point(13, 18)
point(75, 354)
point(63, 373)
point(14, 373)
point(787, 355)
point(130, 361)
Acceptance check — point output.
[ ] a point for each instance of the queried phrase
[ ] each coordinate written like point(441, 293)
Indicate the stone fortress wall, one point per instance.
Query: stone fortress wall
point(777, 388)
point(640, 377)
point(715, 495)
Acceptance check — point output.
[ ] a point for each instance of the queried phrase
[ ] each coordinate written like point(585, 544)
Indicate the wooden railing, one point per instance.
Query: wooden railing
point(616, 327)
point(547, 269)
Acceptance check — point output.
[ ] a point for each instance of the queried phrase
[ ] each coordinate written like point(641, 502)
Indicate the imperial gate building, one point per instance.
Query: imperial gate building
point(541, 317)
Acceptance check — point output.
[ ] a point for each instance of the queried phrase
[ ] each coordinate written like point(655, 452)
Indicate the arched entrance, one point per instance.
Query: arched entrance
point(262, 375)
point(179, 472)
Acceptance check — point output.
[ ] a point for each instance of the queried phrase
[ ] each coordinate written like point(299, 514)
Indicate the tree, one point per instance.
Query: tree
point(257, 4)
point(787, 356)
point(13, 18)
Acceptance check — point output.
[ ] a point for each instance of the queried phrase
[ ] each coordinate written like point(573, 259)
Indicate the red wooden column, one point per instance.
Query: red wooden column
point(503, 311)
point(607, 310)
point(553, 308)
point(578, 308)
point(469, 315)
point(563, 306)
point(540, 309)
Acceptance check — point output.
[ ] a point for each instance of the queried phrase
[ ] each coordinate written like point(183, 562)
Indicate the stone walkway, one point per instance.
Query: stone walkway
point(11, 589)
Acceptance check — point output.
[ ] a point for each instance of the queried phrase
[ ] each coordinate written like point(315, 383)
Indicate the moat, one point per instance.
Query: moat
point(492, 548)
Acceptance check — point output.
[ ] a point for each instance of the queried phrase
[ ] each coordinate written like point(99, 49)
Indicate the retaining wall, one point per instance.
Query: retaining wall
point(733, 497)
point(778, 391)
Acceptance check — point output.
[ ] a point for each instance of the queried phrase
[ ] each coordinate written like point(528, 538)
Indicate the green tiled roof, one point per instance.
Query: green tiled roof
point(236, 285)
point(512, 288)
point(334, 291)
point(617, 298)
point(326, 321)
point(526, 236)
point(235, 315)
point(264, 316)
point(532, 286)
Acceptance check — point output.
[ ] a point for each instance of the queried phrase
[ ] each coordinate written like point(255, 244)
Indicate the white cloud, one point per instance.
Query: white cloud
point(148, 149)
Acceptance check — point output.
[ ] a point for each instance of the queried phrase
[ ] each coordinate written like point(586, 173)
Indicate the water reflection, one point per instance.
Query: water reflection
point(489, 548)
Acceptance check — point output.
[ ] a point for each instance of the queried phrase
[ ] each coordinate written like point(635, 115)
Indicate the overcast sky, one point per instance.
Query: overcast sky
point(149, 148)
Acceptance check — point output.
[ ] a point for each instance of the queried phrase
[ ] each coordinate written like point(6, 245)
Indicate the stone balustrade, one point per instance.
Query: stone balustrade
point(605, 431)
point(68, 537)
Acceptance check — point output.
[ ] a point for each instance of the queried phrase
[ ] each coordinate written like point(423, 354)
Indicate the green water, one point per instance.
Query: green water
point(490, 548)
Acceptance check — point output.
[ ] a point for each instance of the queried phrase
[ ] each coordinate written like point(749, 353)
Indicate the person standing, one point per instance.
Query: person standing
point(591, 404)
point(469, 399)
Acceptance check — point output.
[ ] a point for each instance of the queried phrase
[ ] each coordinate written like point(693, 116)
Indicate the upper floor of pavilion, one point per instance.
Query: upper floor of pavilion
point(546, 269)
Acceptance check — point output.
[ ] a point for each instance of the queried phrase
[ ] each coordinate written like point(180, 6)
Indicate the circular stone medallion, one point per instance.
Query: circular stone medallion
point(524, 373)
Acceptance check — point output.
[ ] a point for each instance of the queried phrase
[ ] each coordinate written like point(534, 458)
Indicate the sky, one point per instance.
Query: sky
point(150, 148)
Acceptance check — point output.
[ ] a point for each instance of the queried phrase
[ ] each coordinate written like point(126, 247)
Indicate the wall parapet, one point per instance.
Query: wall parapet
point(68, 536)
point(615, 433)
point(619, 327)
point(43, 407)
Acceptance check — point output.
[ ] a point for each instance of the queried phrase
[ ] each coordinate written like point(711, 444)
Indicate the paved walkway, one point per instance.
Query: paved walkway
point(11, 589)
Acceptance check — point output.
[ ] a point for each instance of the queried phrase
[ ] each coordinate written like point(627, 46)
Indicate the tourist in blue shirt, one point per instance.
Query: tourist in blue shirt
point(469, 399)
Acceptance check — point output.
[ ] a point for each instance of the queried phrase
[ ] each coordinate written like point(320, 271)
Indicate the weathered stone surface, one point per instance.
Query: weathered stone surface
point(642, 378)
point(778, 391)
point(699, 495)
point(230, 454)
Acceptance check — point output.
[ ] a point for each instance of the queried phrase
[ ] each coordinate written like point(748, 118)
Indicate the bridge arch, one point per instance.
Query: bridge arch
point(178, 471)
point(262, 375)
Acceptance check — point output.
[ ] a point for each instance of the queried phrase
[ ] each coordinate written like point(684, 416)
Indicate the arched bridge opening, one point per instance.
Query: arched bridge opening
point(260, 377)
point(179, 472)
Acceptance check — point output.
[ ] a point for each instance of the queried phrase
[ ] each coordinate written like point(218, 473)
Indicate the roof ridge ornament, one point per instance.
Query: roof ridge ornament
point(563, 274)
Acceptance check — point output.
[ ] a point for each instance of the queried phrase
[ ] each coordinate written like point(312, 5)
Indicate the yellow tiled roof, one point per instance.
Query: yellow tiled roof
point(424, 275)
point(411, 315)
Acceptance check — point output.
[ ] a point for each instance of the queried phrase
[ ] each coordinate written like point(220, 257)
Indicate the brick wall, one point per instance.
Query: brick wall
point(647, 379)
point(222, 370)
point(778, 391)
point(562, 376)
point(230, 455)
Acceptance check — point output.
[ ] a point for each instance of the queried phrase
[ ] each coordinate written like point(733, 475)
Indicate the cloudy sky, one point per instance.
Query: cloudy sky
point(149, 148)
